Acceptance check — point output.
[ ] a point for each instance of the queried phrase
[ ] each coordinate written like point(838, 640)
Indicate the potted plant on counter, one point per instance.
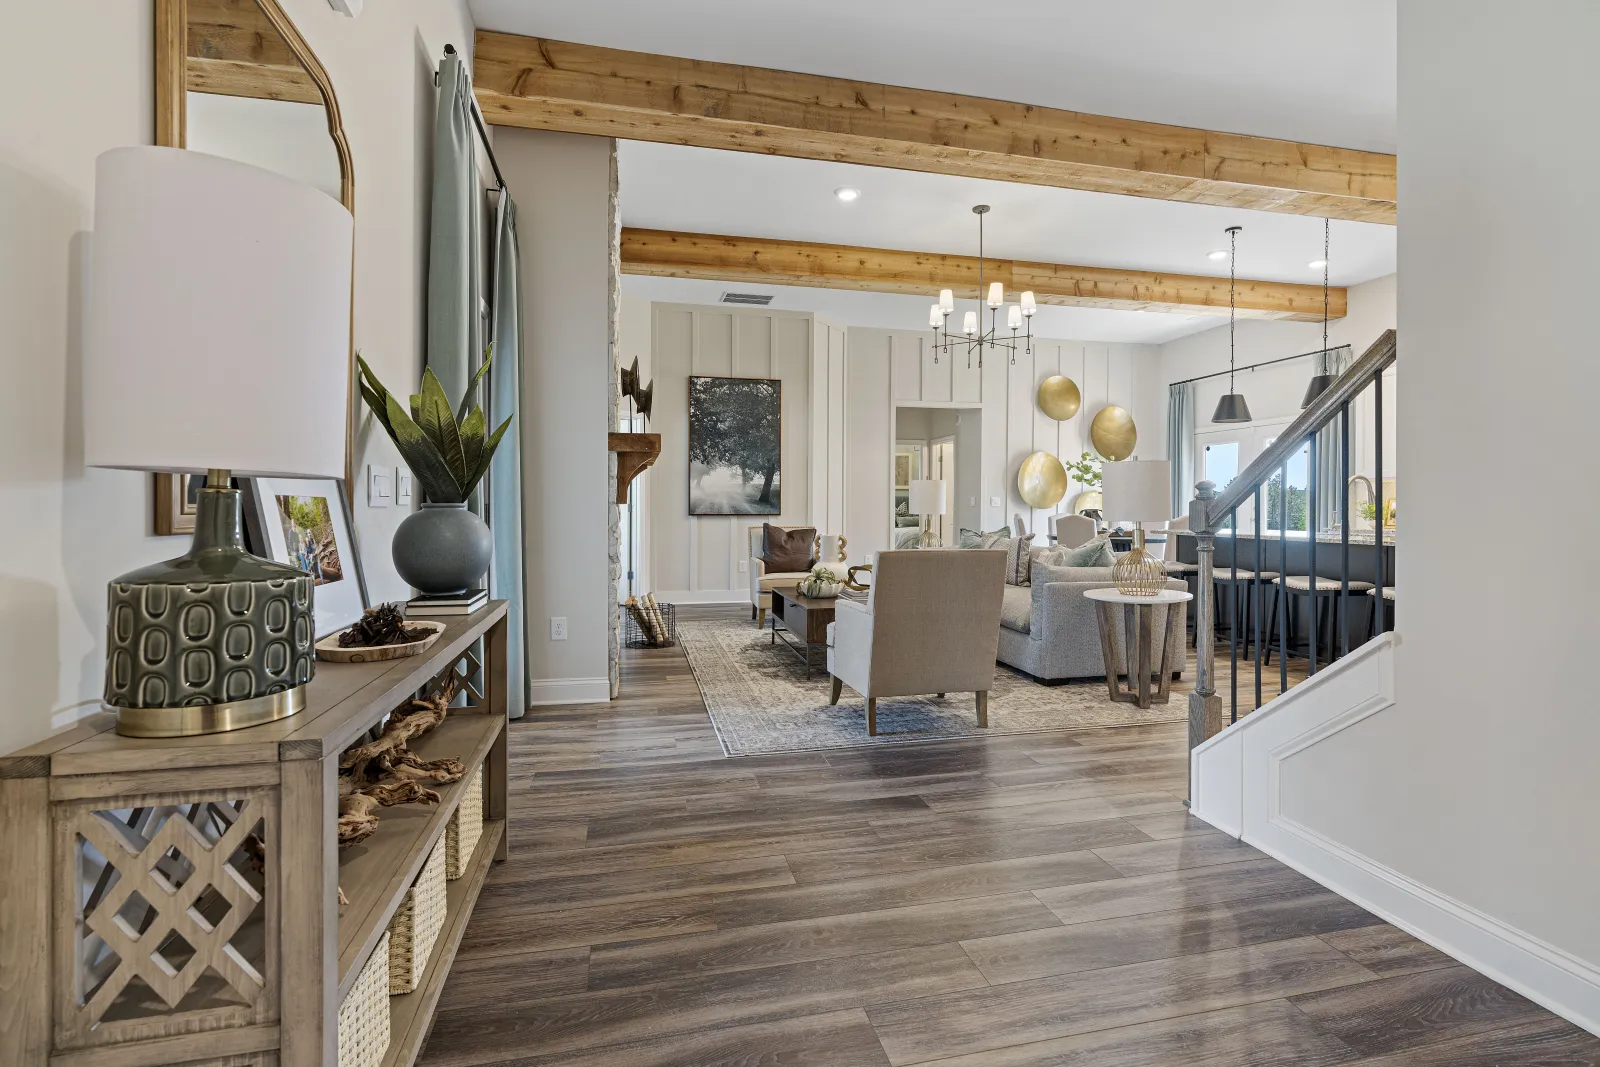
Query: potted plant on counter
point(443, 548)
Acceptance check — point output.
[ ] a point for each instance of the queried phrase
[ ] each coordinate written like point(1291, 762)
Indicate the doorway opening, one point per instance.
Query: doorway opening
point(937, 466)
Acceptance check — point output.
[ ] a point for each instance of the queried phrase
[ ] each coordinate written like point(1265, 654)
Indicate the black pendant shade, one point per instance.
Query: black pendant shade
point(1231, 407)
point(1318, 385)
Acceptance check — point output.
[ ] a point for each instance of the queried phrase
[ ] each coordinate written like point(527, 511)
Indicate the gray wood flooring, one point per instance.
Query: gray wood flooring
point(1016, 901)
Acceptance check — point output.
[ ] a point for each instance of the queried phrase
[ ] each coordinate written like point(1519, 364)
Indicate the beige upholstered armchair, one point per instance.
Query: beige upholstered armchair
point(762, 580)
point(930, 624)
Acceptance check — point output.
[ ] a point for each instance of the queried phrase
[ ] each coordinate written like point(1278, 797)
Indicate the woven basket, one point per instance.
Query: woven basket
point(416, 925)
point(466, 826)
point(364, 1015)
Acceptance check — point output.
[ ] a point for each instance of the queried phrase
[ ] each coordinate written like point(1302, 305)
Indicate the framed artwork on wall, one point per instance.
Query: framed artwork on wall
point(735, 446)
point(305, 522)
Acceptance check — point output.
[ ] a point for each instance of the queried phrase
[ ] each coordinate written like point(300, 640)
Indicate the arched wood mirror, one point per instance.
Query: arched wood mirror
point(235, 78)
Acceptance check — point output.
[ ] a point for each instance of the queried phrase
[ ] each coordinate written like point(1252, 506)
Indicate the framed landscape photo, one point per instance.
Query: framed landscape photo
point(305, 522)
point(735, 446)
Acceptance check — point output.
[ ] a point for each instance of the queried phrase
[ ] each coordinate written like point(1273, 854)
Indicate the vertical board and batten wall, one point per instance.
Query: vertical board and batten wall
point(697, 558)
point(841, 386)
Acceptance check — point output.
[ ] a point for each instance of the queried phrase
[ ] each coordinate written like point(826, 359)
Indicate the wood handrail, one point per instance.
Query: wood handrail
point(1373, 362)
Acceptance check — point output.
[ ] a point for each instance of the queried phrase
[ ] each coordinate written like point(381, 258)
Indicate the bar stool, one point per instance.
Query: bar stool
point(1378, 597)
point(1241, 604)
point(1324, 596)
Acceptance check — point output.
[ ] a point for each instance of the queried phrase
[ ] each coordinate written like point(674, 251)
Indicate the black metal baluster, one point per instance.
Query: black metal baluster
point(1377, 463)
point(1255, 599)
point(1311, 540)
point(1344, 529)
point(1283, 574)
point(1233, 613)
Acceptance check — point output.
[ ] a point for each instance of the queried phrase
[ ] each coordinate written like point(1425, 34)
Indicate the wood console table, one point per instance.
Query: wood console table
point(168, 901)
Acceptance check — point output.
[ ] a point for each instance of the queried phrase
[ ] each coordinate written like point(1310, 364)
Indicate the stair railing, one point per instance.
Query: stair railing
point(1213, 510)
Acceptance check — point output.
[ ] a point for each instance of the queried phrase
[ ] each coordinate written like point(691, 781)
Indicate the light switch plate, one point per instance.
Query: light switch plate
point(402, 487)
point(994, 502)
point(379, 487)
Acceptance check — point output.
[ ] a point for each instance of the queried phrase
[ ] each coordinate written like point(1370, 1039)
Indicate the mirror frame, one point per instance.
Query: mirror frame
point(171, 77)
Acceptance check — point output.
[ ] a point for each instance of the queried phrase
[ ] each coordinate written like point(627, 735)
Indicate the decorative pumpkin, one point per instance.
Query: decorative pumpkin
point(820, 584)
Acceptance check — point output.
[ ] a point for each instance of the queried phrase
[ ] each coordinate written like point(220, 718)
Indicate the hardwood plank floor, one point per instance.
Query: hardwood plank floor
point(1037, 900)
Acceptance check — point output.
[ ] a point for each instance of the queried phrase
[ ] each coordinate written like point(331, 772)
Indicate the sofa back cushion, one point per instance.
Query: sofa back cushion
point(1047, 574)
point(1093, 553)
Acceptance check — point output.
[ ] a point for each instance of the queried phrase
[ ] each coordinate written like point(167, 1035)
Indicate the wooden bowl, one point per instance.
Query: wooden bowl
point(328, 648)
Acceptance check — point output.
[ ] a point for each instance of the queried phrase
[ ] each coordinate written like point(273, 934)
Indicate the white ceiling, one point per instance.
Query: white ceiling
point(1247, 66)
point(1317, 72)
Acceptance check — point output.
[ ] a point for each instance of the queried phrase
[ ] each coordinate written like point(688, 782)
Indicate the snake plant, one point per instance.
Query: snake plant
point(448, 452)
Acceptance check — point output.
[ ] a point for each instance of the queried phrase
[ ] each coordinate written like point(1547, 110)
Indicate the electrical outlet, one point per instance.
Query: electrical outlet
point(994, 502)
point(558, 627)
point(402, 487)
point(378, 487)
point(744, 566)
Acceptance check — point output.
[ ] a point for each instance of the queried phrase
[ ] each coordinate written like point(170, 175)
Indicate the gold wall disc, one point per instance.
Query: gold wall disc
point(1088, 500)
point(1059, 397)
point(1113, 433)
point(1042, 480)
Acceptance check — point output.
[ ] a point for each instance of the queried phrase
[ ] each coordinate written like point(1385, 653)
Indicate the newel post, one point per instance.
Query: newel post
point(1205, 707)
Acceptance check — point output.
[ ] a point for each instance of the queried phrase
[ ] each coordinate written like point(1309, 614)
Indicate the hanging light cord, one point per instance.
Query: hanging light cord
point(1326, 225)
point(1233, 256)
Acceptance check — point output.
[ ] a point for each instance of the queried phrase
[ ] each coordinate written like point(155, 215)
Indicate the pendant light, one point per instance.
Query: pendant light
point(1320, 381)
point(1231, 407)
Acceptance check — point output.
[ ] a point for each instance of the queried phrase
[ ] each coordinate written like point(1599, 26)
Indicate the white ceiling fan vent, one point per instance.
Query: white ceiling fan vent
point(757, 299)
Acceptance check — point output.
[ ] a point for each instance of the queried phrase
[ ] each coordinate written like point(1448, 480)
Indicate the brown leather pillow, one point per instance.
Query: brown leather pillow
point(787, 550)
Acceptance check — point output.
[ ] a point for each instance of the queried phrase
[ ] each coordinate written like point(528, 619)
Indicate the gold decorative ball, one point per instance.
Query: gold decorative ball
point(1042, 480)
point(1059, 397)
point(1113, 433)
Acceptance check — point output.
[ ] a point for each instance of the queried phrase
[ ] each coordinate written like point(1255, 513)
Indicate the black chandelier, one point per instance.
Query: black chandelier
point(973, 336)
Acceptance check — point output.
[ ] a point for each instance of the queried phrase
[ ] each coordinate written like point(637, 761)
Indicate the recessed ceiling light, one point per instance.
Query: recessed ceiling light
point(847, 194)
point(1219, 254)
point(1317, 264)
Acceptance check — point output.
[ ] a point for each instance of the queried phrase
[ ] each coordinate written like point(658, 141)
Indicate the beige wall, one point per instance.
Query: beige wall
point(69, 530)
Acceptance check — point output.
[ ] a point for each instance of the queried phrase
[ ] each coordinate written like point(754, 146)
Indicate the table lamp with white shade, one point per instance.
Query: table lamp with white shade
point(1139, 491)
point(926, 498)
point(216, 342)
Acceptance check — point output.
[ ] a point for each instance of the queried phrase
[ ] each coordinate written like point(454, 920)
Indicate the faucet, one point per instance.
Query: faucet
point(1372, 492)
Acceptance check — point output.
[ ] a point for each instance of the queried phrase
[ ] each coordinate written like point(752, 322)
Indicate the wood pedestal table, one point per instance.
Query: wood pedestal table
point(1114, 623)
point(804, 618)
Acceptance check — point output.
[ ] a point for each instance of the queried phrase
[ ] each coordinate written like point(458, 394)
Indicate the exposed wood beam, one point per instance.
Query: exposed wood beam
point(666, 254)
point(554, 85)
point(235, 50)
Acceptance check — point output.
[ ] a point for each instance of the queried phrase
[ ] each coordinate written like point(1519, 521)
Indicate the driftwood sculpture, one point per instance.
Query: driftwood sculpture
point(384, 772)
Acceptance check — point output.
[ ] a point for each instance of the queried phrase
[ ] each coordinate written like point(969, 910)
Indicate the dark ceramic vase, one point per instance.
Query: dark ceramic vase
point(442, 549)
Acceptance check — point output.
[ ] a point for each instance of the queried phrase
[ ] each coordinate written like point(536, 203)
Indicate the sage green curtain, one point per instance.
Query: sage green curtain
point(1180, 445)
point(455, 249)
point(503, 510)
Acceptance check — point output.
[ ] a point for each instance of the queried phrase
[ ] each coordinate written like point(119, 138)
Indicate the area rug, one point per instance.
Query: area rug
point(760, 700)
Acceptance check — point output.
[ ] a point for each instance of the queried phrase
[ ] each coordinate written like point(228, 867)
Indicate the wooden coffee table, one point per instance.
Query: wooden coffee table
point(803, 620)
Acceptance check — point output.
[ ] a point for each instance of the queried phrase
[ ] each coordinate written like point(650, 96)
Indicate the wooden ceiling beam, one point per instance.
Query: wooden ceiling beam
point(554, 85)
point(665, 254)
point(235, 50)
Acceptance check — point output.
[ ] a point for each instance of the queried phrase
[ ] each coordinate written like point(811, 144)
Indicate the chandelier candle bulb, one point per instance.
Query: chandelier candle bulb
point(947, 300)
point(935, 316)
point(1028, 305)
point(997, 294)
point(969, 323)
point(1014, 317)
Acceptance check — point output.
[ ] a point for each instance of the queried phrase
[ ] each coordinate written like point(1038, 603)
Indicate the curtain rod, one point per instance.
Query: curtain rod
point(1263, 363)
point(477, 120)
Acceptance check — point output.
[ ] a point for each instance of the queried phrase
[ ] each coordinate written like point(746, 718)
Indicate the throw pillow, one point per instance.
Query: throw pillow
point(787, 551)
point(979, 539)
point(1093, 553)
point(1018, 559)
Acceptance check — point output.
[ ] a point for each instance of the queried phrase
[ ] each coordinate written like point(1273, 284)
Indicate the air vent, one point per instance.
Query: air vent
point(758, 299)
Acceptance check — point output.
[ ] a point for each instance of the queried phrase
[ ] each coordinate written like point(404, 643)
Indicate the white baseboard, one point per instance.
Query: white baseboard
point(704, 596)
point(568, 691)
point(1544, 974)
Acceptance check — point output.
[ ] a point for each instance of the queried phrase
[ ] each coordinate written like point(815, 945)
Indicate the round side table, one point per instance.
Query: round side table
point(1113, 624)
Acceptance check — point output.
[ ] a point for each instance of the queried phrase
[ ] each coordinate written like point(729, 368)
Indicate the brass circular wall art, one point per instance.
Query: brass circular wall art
point(1088, 500)
point(1059, 397)
point(1042, 480)
point(1113, 433)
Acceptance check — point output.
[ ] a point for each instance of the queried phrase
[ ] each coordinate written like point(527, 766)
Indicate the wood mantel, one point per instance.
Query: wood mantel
point(635, 452)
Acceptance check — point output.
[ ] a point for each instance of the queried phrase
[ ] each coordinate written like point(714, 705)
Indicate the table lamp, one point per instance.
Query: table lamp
point(927, 498)
point(1139, 490)
point(217, 342)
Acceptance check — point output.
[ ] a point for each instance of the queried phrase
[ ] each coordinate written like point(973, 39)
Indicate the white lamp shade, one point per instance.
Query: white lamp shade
point(997, 294)
point(218, 323)
point(969, 323)
point(935, 316)
point(1014, 317)
point(1137, 490)
point(947, 300)
point(927, 496)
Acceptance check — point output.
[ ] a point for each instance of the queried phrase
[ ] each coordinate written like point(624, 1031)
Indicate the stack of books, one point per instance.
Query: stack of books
point(448, 603)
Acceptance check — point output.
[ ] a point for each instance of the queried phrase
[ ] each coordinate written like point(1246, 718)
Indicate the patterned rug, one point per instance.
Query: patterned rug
point(760, 700)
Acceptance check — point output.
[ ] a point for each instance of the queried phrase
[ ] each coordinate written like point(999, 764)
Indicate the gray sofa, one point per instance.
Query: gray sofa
point(1048, 629)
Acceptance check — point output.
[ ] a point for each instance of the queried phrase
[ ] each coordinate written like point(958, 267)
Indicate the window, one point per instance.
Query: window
point(1299, 471)
point(1220, 466)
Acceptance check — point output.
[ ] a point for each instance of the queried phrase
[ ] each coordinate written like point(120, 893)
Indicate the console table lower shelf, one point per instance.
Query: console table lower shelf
point(176, 900)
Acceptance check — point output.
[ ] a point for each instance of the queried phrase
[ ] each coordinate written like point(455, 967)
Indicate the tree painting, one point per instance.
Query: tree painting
point(735, 446)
